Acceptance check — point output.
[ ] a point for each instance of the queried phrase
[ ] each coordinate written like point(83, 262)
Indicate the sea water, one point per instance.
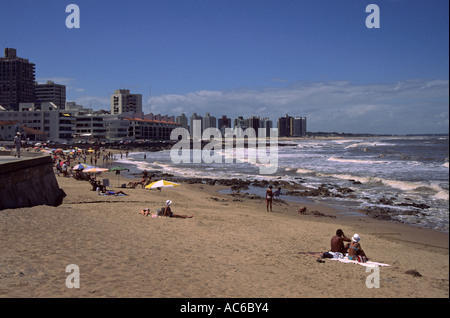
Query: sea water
point(402, 169)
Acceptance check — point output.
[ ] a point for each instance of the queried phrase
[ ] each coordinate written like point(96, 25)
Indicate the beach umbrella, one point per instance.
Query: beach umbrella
point(94, 169)
point(161, 184)
point(80, 166)
point(118, 170)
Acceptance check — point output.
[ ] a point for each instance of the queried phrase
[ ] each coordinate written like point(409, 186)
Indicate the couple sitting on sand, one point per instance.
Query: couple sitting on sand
point(354, 250)
point(167, 212)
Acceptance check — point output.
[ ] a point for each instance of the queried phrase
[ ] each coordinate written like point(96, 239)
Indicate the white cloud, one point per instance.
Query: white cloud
point(95, 102)
point(57, 80)
point(403, 107)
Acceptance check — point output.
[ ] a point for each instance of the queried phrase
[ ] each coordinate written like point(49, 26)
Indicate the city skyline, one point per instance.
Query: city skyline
point(244, 58)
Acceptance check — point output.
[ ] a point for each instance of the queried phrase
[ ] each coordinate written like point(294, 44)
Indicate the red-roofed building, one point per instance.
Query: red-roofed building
point(150, 129)
point(121, 128)
point(9, 128)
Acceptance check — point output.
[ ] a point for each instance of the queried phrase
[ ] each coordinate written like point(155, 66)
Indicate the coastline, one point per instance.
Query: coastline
point(340, 197)
point(231, 248)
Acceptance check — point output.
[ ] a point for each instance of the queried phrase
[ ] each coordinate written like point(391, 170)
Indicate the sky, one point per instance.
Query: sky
point(267, 58)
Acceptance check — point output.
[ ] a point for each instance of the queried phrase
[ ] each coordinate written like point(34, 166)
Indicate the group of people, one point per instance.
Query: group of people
point(353, 248)
point(144, 181)
point(166, 211)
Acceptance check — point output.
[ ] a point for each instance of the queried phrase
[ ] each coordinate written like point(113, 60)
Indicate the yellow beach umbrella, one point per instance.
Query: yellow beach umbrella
point(95, 169)
point(161, 184)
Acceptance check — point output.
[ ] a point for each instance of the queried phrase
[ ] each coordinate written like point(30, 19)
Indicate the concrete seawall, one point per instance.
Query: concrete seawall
point(28, 182)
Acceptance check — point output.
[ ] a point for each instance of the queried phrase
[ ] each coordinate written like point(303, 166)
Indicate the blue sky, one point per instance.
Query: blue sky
point(248, 57)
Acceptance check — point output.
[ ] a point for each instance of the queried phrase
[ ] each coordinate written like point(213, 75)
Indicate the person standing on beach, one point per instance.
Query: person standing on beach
point(17, 143)
point(269, 197)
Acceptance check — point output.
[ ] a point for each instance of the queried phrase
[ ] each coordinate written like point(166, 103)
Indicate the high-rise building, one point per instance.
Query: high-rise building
point(284, 126)
point(183, 120)
point(17, 77)
point(299, 126)
point(303, 126)
point(198, 118)
point(255, 123)
point(240, 123)
point(209, 121)
point(122, 101)
point(51, 92)
point(223, 123)
point(267, 124)
point(291, 126)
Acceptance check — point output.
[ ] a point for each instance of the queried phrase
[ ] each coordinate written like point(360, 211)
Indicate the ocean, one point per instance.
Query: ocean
point(408, 176)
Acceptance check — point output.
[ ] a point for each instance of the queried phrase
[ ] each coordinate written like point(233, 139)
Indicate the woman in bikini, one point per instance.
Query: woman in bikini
point(355, 249)
point(269, 196)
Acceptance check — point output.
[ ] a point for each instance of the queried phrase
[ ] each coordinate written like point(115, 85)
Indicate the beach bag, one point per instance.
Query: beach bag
point(327, 255)
point(337, 255)
point(361, 259)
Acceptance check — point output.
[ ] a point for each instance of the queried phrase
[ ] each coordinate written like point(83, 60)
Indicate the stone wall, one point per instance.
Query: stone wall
point(29, 182)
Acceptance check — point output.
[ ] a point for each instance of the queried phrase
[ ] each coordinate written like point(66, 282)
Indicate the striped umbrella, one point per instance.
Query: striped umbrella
point(161, 184)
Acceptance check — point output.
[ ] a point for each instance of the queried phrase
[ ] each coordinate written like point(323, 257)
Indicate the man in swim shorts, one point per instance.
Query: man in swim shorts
point(337, 242)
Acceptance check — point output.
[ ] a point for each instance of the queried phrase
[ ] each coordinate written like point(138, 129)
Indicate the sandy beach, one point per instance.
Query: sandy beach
point(232, 247)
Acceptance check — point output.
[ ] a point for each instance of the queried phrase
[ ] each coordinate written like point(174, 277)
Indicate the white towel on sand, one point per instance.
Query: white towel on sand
point(368, 263)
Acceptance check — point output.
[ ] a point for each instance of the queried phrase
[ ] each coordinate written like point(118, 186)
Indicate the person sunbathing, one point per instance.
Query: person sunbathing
point(115, 193)
point(168, 212)
point(145, 212)
point(134, 184)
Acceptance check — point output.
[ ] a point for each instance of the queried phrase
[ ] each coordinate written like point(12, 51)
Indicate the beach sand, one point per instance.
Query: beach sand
point(230, 248)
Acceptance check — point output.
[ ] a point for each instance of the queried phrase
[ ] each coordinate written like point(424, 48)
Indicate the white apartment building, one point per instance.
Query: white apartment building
point(76, 123)
point(58, 125)
point(122, 101)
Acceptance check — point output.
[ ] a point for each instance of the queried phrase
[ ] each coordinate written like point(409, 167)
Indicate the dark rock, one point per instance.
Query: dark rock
point(413, 272)
point(305, 211)
point(386, 201)
point(416, 205)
